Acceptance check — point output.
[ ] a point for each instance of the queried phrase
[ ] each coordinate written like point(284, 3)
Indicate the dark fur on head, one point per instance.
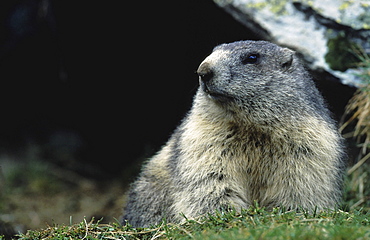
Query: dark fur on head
point(266, 80)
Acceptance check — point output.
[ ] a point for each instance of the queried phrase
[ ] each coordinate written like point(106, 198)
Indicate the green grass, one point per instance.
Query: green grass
point(254, 223)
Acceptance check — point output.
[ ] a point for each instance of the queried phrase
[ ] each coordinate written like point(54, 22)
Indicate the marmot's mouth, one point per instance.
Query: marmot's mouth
point(215, 95)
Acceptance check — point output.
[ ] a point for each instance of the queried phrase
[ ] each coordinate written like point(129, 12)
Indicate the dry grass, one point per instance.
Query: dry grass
point(359, 107)
point(358, 125)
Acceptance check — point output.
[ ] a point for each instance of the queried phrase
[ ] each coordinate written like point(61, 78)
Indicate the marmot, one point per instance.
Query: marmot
point(258, 130)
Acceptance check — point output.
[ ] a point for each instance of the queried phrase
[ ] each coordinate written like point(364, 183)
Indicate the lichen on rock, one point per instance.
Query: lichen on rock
point(340, 55)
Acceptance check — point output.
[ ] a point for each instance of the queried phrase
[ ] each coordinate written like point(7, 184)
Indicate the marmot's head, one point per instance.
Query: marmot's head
point(259, 76)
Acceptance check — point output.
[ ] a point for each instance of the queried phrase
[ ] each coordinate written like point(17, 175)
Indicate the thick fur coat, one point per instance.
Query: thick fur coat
point(258, 130)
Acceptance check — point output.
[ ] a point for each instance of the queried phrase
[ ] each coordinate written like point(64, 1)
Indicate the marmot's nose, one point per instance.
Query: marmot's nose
point(205, 72)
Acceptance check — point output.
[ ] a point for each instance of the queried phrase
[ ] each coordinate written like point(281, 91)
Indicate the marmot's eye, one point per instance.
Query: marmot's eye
point(250, 58)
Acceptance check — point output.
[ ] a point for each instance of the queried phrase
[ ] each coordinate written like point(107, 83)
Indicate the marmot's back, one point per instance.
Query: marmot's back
point(258, 130)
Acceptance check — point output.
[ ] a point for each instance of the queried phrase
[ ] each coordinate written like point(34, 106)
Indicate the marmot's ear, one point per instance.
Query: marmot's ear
point(287, 56)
